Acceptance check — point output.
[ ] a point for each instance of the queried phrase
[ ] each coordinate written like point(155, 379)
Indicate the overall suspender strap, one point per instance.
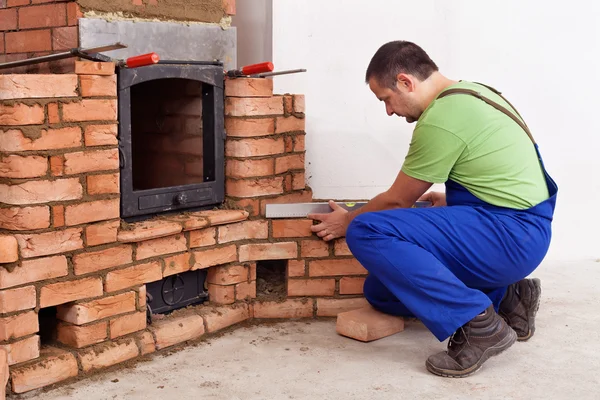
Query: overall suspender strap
point(491, 103)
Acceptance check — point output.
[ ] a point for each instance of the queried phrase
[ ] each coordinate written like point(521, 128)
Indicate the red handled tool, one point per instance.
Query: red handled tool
point(251, 69)
point(140, 61)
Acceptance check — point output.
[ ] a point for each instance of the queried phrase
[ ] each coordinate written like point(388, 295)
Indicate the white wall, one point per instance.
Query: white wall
point(544, 56)
point(253, 22)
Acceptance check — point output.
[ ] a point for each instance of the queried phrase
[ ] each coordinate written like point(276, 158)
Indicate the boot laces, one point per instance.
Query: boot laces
point(459, 337)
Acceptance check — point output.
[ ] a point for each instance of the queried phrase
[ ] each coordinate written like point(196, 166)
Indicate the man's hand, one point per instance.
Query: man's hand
point(437, 199)
point(333, 225)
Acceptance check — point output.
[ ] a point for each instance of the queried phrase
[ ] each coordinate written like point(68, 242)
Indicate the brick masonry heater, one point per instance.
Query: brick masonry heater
point(86, 281)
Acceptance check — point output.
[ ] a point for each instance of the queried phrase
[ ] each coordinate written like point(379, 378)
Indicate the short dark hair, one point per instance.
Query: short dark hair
point(398, 57)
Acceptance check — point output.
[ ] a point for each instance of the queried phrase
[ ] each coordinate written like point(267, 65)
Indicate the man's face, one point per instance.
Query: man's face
point(399, 101)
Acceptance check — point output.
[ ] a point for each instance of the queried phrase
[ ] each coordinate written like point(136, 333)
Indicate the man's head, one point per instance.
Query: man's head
point(396, 73)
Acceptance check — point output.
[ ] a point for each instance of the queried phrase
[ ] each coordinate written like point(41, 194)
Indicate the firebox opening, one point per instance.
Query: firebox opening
point(48, 325)
point(167, 134)
point(271, 279)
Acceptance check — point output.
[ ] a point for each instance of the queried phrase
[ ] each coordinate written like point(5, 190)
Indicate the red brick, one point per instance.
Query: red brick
point(16, 3)
point(332, 307)
point(283, 228)
point(287, 184)
point(10, 249)
point(53, 116)
point(58, 216)
point(4, 371)
point(108, 354)
point(65, 38)
point(18, 114)
point(287, 104)
point(249, 87)
point(22, 350)
point(367, 324)
point(90, 110)
point(32, 192)
point(92, 160)
point(127, 324)
point(81, 336)
point(311, 287)
point(169, 332)
point(55, 242)
point(304, 196)
point(254, 147)
point(53, 366)
point(18, 325)
point(224, 317)
point(221, 294)
point(94, 68)
point(94, 310)
point(103, 184)
point(93, 261)
point(92, 211)
point(291, 308)
point(142, 296)
point(217, 256)
point(249, 168)
point(289, 144)
point(28, 41)
point(145, 230)
point(8, 19)
point(229, 7)
point(1, 52)
point(254, 187)
point(296, 268)
point(33, 271)
point(289, 163)
point(252, 206)
point(157, 247)
point(17, 299)
point(336, 267)
point(26, 218)
point(203, 237)
point(177, 264)
point(96, 85)
point(102, 233)
point(37, 86)
point(101, 135)
point(340, 248)
point(228, 275)
point(133, 276)
point(289, 124)
point(351, 285)
point(253, 106)
point(43, 16)
point(64, 292)
point(146, 343)
point(268, 251)
point(49, 139)
point(245, 290)
point(299, 103)
point(298, 181)
point(73, 14)
point(244, 230)
point(57, 165)
point(249, 127)
point(221, 217)
point(314, 248)
point(299, 144)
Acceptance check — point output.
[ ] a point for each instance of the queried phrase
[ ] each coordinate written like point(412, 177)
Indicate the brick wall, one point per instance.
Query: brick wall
point(32, 28)
point(65, 246)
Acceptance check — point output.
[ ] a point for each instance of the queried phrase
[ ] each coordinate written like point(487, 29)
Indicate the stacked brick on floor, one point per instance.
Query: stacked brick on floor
point(65, 246)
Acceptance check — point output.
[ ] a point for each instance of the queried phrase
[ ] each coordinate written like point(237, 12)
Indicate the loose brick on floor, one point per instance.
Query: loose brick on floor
point(53, 366)
point(367, 324)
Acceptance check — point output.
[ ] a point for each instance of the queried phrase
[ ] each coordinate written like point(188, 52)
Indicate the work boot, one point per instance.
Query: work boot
point(519, 306)
point(471, 345)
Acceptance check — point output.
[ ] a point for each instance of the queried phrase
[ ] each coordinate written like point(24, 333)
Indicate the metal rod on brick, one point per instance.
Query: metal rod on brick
point(301, 210)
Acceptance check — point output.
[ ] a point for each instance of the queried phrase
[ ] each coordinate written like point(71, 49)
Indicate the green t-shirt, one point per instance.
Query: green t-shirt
point(460, 137)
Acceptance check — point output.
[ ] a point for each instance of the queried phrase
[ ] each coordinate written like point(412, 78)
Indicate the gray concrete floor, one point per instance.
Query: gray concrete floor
point(308, 360)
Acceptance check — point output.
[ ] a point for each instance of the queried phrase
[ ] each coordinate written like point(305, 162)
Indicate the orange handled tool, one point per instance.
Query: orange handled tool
point(141, 61)
point(251, 69)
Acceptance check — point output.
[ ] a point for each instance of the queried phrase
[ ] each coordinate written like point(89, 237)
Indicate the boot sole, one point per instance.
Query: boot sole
point(504, 344)
point(535, 287)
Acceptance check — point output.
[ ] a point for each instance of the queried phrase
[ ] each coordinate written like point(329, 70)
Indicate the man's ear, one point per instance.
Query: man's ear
point(405, 82)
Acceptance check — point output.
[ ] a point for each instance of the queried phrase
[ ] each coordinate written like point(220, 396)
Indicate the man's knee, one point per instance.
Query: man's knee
point(359, 229)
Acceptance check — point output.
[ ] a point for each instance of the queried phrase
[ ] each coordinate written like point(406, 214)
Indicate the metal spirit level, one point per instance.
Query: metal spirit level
point(301, 210)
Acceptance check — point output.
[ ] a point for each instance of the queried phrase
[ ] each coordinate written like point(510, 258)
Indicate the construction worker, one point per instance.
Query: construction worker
point(459, 266)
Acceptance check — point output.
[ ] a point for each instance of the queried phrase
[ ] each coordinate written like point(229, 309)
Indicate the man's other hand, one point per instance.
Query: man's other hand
point(333, 225)
point(437, 199)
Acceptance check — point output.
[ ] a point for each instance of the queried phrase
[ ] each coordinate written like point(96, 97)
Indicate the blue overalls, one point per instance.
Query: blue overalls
point(445, 265)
